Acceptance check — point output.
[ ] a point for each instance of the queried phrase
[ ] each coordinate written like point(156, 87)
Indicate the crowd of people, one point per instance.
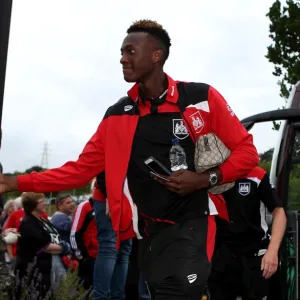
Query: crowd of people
point(192, 240)
point(68, 241)
point(65, 241)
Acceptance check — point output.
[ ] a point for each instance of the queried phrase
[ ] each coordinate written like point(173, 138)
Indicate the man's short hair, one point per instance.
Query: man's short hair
point(155, 30)
point(60, 198)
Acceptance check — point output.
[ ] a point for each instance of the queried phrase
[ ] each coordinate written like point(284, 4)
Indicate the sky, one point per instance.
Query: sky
point(63, 68)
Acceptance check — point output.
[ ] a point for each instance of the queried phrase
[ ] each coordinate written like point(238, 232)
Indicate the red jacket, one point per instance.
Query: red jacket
point(14, 221)
point(203, 110)
point(83, 236)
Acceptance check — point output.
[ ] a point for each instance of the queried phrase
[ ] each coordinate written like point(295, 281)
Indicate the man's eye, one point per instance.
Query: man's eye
point(131, 51)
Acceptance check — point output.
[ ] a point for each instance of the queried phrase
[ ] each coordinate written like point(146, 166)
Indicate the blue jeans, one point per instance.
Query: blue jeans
point(111, 266)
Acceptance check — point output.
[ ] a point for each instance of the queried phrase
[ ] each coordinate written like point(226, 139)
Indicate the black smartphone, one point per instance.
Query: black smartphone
point(157, 168)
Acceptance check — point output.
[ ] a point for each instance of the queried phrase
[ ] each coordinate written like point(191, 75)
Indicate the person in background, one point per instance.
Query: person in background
point(9, 208)
point(39, 243)
point(111, 265)
point(14, 221)
point(2, 199)
point(18, 203)
point(84, 241)
point(246, 256)
point(62, 218)
point(6, 276)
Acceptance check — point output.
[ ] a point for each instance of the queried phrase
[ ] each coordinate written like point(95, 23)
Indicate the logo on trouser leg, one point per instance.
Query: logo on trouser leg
point(192, 278)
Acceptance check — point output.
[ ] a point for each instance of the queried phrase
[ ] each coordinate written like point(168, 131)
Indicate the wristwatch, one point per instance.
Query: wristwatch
point(213, 178)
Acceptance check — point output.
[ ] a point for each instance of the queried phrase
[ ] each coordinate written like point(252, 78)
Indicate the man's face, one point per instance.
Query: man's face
point(138, 56)
point(66, 206)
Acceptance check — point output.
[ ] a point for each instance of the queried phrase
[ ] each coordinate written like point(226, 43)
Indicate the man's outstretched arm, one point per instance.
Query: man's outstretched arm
point(71, 175)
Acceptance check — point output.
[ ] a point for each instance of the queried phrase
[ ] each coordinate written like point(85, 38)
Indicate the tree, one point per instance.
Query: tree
point(266, 156)
point(35, 169)
point(284, 52)
point(266, 165)
point(266, 160)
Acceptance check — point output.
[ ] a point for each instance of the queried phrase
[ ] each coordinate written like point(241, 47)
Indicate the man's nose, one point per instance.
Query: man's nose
point(123, 59)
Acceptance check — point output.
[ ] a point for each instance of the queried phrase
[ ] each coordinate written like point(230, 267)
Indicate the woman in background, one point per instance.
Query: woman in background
point(39, 243)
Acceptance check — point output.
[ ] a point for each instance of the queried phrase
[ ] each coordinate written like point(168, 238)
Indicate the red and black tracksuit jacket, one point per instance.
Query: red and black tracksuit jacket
point(83, 236)
point(109, 150)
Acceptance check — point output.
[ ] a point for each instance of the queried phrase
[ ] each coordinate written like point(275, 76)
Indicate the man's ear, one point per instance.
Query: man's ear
point(158, 55)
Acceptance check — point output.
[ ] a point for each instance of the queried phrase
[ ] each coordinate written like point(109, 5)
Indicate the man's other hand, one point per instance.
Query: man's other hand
point(184, 182)
point(269, 263)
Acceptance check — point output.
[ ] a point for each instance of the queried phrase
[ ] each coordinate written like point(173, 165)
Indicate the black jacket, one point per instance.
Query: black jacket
point(36, 235)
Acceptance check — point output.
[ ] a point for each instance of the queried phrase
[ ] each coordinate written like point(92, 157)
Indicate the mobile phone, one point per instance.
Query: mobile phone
point(156, 167)
point(152, 174)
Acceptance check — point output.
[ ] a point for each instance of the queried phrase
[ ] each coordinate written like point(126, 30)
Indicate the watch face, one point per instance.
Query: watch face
point(213, 178)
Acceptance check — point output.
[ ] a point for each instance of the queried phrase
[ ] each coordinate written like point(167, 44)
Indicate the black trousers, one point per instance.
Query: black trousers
point(86, 271)
point(176, 261)
point(239, 276)
point(132, 282)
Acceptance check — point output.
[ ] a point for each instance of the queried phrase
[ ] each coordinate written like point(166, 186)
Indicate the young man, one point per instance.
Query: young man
point(245, 256)
point(62, 219)
point(175, 217)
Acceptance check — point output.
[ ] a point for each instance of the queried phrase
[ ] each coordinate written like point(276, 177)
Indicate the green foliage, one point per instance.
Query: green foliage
point(284, 52)
point(69, 289)
point(267, 155)
point(34, 169)
point(294, 188)
point(266, 160)
point(294, 176)
point(266, 165)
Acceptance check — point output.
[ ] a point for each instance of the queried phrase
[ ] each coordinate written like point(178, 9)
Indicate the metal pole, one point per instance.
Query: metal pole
point(5, 16)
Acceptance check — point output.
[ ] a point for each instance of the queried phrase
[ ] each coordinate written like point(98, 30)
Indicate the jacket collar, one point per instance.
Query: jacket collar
point(172, 94)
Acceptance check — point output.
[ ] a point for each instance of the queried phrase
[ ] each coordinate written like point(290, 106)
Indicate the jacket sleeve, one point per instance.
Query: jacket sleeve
point(76, 236)
point(73, 174)
point(229, 129)
point(268, 195)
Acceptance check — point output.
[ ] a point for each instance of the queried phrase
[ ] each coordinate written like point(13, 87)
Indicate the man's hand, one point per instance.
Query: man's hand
point(107, 211)
point(8, 183)
point(269, 263)
point(184, 182)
